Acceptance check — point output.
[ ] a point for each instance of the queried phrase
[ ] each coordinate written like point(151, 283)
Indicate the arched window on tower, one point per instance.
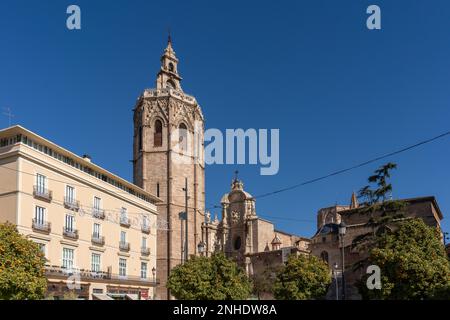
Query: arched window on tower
point(157, 136)
point(171, 68)
point(182, 137)
point(140, 138)
point(171, 84)
point(324, 256)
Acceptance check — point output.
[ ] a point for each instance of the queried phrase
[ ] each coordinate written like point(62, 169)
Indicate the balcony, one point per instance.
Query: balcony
point(70, 233)
point(98, 213)
point(42, 193)
point(71, 203)
point(124, 246)
point(98, 240)
point(145, 251)
point(145, 229)
point(89, 275)
point(41, 226)
point(125, 222)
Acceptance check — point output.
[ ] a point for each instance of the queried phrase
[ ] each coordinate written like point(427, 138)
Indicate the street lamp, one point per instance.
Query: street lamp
point(335, 271)
point(201, 247)
point(342, 231)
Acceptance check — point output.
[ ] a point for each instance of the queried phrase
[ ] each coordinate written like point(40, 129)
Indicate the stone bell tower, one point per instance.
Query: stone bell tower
point(167, 153)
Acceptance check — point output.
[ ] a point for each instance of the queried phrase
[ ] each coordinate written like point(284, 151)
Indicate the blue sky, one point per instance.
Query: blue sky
point(339, 93)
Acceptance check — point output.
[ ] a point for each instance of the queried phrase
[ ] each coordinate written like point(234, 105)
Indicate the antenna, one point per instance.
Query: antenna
point(7, 112)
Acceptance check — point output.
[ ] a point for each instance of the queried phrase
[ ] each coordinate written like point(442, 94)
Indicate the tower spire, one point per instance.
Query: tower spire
point(169, 37)
point(168, 76)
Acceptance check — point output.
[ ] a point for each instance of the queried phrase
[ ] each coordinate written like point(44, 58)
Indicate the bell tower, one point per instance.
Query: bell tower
point(167, 158)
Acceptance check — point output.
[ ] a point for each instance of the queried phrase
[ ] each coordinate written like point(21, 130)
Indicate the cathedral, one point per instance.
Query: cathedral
point(167, 161)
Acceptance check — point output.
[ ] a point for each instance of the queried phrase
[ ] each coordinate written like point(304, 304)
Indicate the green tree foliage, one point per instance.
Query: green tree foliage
point(209, 278)
point(382, 213)
point(413, 264)
point(21, 266)
point(263, 282)
point(303, 277)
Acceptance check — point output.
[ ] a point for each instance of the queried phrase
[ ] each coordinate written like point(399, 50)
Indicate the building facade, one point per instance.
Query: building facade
point(168, 162)
point(328, 244)
point(96, 230)
point(251, 241)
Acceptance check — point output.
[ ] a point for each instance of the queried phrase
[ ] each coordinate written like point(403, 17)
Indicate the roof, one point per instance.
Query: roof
point(431, 199)
point(17, 129)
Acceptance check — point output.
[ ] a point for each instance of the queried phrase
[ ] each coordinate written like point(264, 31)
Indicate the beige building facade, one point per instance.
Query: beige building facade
point(97, 231)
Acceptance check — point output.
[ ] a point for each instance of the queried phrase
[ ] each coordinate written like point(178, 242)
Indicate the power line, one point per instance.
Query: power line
point(335, 173)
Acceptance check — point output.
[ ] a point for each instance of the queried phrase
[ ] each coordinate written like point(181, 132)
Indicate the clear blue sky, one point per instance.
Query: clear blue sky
point(339, 93)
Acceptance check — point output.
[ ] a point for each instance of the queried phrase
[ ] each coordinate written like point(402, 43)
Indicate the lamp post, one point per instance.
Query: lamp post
point(342, 231)
point(335, 271)
point(154, 281)
point(201, 247)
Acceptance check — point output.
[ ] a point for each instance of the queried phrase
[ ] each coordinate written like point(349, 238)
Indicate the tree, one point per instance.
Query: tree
point(382, 212)
point(21, 266)
point(303, 277)
point(209, 278)
point(263, 282)
point(413, 264)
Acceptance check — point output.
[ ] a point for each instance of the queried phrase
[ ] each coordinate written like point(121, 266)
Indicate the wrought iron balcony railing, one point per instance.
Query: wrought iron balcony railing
point(71, 203)
point(42, 193)
point(145, 229)
point(124, 246)
point(41, 226)
point(98, 239)
point(59, 271)
point(145, 251)
point(70, 233)
point(98, 213)
point(124, 222)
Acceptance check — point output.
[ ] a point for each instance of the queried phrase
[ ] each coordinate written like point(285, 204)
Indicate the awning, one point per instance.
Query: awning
point(129, 296)
point(97, 296)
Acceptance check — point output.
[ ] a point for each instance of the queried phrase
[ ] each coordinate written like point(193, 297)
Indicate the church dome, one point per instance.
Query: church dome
point(225, 199)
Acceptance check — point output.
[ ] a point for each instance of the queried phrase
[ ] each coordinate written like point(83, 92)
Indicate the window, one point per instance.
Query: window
point(143, 270)
point(122, 267)
point(97, 203)
point(69, 223)
point(68, 256)
point(70, 194)
point(140, 138)
point(42, 248)
point(157, 136)
point(144, 243)
point(41, 183)
point(96, 230)
point(39, 215)
point(123, 213)
point(324, 256)
point(182, 136)
point(170, 84)
point(95, 262)
point(171, 68)
point(145, 222)
point(157, 189)
point(123, 236)
point(237, 243)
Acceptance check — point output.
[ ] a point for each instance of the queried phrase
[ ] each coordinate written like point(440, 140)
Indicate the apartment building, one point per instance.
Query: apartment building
point(97, 230)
